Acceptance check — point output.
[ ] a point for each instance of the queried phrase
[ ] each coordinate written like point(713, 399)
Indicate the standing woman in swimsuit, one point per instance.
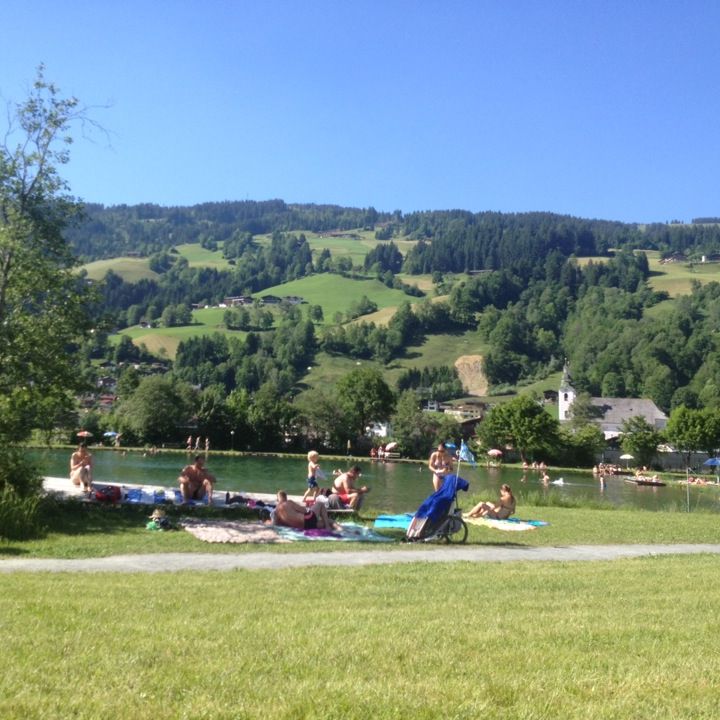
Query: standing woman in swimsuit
point(440, 465)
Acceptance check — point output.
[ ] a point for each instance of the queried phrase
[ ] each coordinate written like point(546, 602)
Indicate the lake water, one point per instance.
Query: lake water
point(395, 487)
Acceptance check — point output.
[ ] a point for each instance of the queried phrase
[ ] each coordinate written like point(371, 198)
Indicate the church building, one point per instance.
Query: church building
point(612, 412)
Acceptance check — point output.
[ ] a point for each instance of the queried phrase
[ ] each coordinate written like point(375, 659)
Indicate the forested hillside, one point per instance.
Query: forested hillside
point(524, 290)
point(452, 240)
point(107, 232)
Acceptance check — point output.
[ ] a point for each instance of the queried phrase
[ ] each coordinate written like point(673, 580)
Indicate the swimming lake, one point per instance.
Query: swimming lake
point(395, 486)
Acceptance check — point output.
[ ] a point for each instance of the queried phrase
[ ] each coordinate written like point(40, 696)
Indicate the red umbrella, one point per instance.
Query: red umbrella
point(84, 433)
point(494, 452)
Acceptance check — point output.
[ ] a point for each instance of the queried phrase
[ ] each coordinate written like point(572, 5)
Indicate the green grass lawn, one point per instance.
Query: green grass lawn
point(626, 639)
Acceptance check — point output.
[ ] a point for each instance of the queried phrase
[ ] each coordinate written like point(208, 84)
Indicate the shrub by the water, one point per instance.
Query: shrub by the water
point(20, 499)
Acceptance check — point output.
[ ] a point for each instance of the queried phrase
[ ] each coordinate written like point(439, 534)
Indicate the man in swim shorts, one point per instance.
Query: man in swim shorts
point(196, 482)
point(294, 515)
point(344, 486)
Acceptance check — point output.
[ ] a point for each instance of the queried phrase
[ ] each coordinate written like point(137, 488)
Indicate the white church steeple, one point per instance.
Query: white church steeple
point(566, 396)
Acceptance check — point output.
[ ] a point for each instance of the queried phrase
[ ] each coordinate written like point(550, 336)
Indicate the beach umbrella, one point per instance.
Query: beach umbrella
point(626, 457)
point(391, 446)
point(713, 462)
point(494, 452)
point(85, 434)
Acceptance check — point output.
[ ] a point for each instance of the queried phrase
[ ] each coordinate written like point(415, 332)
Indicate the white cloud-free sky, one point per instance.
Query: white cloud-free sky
point(594, 108)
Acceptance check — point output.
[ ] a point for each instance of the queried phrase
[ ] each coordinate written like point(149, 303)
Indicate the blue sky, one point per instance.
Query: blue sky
point(597, 109)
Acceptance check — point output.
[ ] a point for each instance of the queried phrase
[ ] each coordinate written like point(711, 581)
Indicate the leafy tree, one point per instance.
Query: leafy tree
point(418, 432)
point(686, 431)
point(213, 416)
point(520, 423)
point(325, 424)
point(44, 307)
point(156, 411)
point(582, 411)
point(364, 397)
point(640, 439)
point(711, 424)
point(238, 409)
point(271, 418)
point(580, 446)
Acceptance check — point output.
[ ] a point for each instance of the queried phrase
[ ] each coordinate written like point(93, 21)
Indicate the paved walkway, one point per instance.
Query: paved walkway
point(173, 562)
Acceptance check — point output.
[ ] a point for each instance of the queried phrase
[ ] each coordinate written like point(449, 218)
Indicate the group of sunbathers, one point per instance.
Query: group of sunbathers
point(313, 514)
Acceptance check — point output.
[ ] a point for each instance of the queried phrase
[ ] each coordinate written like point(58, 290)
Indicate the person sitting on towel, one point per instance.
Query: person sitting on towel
point(196, 482)
point(497, 511)
point(344, 487)
point(292, 514)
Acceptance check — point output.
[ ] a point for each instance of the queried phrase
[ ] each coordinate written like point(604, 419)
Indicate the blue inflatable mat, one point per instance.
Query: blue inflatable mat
point(396, 522)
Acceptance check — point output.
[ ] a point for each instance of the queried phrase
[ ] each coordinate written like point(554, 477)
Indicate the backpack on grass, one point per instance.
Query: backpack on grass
point(107, 493)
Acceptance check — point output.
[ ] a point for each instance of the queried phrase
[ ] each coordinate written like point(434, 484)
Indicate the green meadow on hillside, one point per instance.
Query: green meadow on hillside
point(335, 293)
point(130, 269)
point(164, 341)
point(673, 278)
point(676, 278)
point(134, 269)
point(436, 350)
point(198, 256)
point(354, 244)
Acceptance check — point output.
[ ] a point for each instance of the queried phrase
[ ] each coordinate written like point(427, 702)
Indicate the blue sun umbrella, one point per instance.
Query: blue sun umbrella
point(713, 462)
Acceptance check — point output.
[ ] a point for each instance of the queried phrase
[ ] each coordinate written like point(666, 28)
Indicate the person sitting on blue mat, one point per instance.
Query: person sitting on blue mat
point(196, 482)
point(497, 511)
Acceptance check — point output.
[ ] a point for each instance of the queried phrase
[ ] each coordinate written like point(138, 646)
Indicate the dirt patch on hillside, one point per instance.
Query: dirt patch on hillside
point(469, 368)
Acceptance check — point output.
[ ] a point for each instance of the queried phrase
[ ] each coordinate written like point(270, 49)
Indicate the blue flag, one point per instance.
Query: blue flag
point(466, 455)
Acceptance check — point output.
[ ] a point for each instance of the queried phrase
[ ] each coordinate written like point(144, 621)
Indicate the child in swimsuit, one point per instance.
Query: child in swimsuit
point(312, 476)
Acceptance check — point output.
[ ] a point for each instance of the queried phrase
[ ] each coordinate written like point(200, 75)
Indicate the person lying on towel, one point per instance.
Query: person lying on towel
point(497, 511)
point(294, 515)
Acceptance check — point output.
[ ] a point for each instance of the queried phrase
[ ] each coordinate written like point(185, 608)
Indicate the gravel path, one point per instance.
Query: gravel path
point(174, 562)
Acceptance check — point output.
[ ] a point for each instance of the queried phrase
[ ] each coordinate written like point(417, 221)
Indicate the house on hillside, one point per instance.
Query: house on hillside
point(237, 300)
point(612, 412)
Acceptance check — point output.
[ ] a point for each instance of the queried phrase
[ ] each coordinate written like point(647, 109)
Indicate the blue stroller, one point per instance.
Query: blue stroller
point(439, 517)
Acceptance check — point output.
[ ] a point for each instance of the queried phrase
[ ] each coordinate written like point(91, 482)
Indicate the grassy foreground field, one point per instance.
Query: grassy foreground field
point(628, 639)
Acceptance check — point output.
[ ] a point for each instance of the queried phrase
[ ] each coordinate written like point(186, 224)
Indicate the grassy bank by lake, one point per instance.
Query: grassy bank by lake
point(80, 530)
point(624, 639)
